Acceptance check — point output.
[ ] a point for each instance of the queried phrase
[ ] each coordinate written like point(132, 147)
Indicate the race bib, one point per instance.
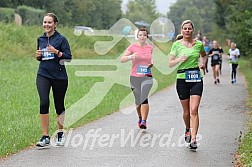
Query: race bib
point(143, 70)
point(193, 76)
point(46, 55)
point(215, 57)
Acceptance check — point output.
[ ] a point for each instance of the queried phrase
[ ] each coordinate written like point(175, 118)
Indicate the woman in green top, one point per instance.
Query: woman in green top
point(186, 53)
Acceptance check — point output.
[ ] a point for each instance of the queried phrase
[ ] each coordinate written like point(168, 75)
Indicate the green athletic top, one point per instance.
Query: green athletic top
point(193, 54)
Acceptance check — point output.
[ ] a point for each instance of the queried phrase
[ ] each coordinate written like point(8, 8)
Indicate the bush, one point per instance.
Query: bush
point(7, 15)
point(31, 16)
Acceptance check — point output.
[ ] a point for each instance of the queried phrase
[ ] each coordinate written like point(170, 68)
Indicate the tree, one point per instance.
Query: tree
point(96, 14)
point(62, 8)
point(200, 12)
point(237, 21)
point(142, 10)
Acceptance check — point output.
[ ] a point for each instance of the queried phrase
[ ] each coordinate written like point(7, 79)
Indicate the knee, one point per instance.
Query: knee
point(44, 107)
point(145, 101)
point(194, 111)
point(60, 110)
point(186, 113)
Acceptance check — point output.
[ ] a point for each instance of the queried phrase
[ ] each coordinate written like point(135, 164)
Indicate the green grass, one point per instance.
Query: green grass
point(19, 101)
point(245, 149)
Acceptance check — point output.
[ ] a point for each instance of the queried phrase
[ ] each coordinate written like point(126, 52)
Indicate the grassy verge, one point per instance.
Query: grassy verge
point(19, 102)
point(245, 149)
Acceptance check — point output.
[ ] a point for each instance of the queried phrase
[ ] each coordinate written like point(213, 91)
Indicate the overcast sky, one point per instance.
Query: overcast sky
point(162, 5)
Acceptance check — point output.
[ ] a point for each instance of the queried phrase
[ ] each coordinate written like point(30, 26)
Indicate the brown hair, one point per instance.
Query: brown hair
point(143, 29)
point(55, 19)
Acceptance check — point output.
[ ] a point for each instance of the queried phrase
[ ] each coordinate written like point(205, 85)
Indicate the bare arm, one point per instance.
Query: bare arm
point(128, 56)
point(174, 61)
point(203, 60)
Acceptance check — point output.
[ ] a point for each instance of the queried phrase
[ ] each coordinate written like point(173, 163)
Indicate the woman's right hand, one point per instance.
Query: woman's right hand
point(134, 55)
point(183, 58)
point(38, 54)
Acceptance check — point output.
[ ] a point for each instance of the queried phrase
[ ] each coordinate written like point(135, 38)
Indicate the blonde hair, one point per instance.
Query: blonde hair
point(186, 22)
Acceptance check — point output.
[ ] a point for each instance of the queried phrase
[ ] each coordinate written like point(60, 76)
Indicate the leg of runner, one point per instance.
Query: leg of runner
point(217, 70)
point(44, 118)
point(136, 88)
point(144, 111)
point(234, 67)
point(186, 112)
point(194, 105)
point(145, 89)
point(194, 121)
point(220, 67)
point(43, 86)
point(206, 65)
point(138, 108)
point(59, 88)
point(214, 74)
point(232, 73)
point(144, 114)
point(186, 118)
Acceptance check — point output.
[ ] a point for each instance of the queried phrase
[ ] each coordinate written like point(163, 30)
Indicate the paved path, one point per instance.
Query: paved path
point(222, 117)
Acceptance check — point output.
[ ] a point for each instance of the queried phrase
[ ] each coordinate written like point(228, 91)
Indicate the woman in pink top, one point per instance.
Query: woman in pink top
point(141, 80)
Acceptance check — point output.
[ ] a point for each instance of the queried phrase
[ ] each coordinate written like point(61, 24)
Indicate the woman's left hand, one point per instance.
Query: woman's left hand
point(51, 49)
point(150, 65)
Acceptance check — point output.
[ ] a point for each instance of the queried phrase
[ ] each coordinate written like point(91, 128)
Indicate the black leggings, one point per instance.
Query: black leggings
point(141, 87)
point(59, 88)
point(233, 73)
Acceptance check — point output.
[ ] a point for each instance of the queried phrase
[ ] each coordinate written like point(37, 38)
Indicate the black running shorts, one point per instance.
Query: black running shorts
point(186, 89)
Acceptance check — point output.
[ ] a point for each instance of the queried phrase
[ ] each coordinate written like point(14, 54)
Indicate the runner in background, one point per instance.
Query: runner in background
point(221, 50)
point(206, 48)
point(234, 54)
point(215, 54)
point(198, 36)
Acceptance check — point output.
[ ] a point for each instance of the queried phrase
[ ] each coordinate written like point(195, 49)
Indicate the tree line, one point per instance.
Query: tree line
point(217, 19)
point(94, 13)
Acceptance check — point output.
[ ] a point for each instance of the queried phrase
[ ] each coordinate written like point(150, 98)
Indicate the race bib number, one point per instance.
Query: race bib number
point(193, 76)
point(46, 55)
point(143, 70)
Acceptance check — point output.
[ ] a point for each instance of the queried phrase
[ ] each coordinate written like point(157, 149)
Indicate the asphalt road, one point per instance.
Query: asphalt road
point(115, 140)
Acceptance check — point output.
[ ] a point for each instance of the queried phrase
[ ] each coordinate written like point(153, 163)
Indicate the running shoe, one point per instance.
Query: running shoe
point(45, 140)
point(60, 139)
point(193, 145)
point(187, 136)
point(234, 80)
point(143, 125)
point(218, 80)
point(139, 122)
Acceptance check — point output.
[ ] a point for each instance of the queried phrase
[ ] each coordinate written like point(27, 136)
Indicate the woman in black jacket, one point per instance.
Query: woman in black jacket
point(52, 47)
